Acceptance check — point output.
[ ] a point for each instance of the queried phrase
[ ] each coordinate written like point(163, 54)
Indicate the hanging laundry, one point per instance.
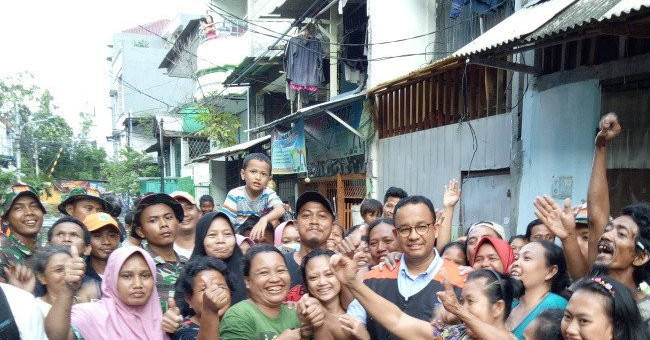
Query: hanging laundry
point(303, 64)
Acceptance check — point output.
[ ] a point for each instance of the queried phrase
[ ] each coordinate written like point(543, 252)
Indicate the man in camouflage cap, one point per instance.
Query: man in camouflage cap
point(22, 212)
point(82, 202)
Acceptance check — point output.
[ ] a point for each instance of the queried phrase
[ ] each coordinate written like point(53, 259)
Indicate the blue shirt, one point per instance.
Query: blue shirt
point(407, 284)
point(551, 300)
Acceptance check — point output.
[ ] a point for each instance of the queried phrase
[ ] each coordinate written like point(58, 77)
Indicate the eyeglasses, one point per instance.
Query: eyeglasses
point(421, 229)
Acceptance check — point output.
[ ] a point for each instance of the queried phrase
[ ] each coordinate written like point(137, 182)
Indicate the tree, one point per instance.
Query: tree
point(219, 126)
point(123, 174)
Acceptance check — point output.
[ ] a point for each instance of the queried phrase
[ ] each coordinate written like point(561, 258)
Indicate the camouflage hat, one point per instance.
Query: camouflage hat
point(13, 193)
point(84, 193)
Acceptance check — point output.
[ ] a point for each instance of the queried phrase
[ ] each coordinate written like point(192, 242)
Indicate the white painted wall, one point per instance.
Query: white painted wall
point(558, 131)
point(391, 20)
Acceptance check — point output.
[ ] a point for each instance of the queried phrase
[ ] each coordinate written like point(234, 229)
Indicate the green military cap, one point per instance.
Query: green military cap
point(84, 193)
point(16, 191)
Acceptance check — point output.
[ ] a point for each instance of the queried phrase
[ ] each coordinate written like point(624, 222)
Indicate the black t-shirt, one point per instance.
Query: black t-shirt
point(294, 269)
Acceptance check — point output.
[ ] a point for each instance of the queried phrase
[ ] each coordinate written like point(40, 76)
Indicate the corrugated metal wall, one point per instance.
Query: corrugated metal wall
point(423, 162)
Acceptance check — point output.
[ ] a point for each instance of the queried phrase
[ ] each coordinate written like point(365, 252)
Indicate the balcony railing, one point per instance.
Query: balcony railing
point(220, 30)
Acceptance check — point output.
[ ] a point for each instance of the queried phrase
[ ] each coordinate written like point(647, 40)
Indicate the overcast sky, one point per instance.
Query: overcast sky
point(64, 44)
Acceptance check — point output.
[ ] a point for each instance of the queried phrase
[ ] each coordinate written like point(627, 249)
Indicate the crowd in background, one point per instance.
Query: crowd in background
point(258, 268)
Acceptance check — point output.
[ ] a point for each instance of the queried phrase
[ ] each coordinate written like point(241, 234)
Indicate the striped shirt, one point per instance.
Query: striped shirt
point(238, 206)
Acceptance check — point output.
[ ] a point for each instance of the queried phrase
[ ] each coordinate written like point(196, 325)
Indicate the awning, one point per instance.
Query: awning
point(259, 70)
point(231, 149)
point(179, 44)
point(294, 9)
point(337, 101)
point(518, 25)
point(548, 19)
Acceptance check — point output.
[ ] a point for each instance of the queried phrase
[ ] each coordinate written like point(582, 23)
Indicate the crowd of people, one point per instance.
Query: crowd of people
point(258, 269)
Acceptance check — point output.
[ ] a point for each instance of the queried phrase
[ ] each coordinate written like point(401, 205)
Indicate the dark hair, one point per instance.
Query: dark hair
point(555, 257)
point(529, 228)
point(256, 156)
point(458, 244)
point(385, 220)
point(352, 229)
point(185, 283)
point(523, 237)
point(497, 287)
point(416, 200)
point(370, 205)
point(250, 223)
point(234, 262)
point(395, 192)
point(128, 218)
point(640, 213)
point(303, 267)
point(114, 204)
point(42, 257)
point(70, 219)
point(620, 306)
point(549, 324)
point(206, 198)
point(254, 251)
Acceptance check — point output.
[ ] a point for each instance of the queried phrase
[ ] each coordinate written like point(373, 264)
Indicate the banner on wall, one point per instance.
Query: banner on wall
point(288, 153)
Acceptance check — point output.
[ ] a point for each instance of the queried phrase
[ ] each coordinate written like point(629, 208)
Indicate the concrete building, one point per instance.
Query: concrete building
point(139, 90)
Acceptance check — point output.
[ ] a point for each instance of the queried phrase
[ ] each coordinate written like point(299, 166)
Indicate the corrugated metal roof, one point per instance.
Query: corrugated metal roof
point(516, 26)
point(152, 28)
point(231, 149)
point(585, 12)
point(263, 65)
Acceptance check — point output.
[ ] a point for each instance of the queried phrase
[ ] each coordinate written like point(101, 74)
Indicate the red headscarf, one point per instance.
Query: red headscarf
point(502, 248)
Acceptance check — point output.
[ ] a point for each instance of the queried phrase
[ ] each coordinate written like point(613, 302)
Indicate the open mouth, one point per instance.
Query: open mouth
point(605, 251)
point(515, 273)
point(274, 289)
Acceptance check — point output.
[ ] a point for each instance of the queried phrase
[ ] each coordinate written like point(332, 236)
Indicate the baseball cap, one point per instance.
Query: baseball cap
point(16, 191)
point(313, 196)
point(184, 195)
point(84, 193)
point(153, 199)
point(494, 226)
point(97, 221)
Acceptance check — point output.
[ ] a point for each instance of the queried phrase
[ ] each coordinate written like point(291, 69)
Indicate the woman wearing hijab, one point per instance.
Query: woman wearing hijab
point(215, 236)
point(129, 307)
point(493, 253)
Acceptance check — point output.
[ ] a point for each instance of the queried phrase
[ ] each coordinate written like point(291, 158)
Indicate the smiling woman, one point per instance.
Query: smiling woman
point(264, 315)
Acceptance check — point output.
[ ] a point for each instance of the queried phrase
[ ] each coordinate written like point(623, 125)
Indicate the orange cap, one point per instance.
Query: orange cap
point(184, 195)
point(99, 220)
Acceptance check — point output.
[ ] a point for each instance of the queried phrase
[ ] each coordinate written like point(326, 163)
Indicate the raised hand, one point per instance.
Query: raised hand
point(448, 298)
point(75, 268)
point(216, 299)
point(353, 326)
point(21, 276)
point(452, 194)
point(257, 233)
point(344, 268)
point(390, 261)
point(560, 222)
point(609, 127)
point(310, 311)
point(172, 318)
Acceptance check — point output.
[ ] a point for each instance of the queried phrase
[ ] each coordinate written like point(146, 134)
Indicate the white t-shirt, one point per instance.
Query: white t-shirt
point(44, 306)
point(26, 312)
point(184, 252)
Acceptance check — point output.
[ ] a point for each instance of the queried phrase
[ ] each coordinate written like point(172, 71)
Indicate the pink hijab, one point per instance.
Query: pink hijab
point(277, 239)
point(110, 318)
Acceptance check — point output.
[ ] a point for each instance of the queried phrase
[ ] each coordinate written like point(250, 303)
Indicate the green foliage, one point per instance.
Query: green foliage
point(219, 126)
point(122, 174)
point(141, 43)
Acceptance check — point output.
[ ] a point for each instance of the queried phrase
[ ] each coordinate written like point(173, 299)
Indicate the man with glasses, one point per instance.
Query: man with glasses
point(413, 283)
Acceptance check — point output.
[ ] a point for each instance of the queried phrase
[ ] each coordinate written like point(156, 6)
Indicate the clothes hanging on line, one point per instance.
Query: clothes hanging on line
point(303, 64)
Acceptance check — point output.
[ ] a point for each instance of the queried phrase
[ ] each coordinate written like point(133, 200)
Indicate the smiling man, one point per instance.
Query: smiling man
point(413, 283)
point(315, 219)
point(156, 219)
point(620, 246)
point(22, 212)
point(82, 202)
point(104, 239)
point(184, 243)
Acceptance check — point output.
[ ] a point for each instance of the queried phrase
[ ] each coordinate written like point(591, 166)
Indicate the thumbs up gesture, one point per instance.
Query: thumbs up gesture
point(75, 268)
point(172, 318)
